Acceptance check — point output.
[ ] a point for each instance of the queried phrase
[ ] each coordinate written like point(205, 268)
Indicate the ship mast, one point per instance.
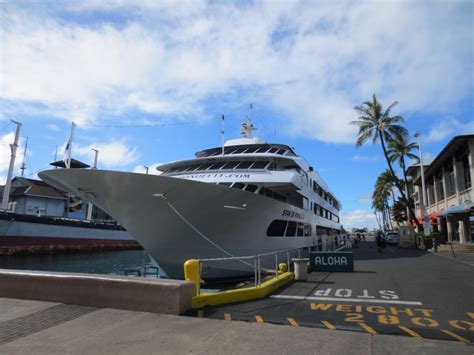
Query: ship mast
point(23, 165)
point(13, 148)
point(247, 127)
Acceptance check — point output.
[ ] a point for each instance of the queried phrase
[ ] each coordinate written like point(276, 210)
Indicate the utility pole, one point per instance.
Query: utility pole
point(426, 222)
point(13, 148)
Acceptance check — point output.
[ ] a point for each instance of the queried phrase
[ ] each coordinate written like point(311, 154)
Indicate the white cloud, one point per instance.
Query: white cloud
point(111, 154)
point(449, 127)
point(141, 169)
point(365, 199)
point(358, 219)
point(364, 158)
point(311, 61)
point(53, 127)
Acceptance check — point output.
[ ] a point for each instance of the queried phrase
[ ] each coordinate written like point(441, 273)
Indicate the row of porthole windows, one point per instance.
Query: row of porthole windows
point(248, 150)
point(322, 212)
point(253, 188)
point(325, 195)
point(223, 165)
point(282, 228)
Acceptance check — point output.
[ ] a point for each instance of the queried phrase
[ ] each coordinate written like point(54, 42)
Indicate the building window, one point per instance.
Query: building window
point(451, 183)
point(439, 187)
point(466, 172)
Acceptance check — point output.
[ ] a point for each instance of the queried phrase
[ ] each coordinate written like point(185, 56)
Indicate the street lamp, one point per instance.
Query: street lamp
point(426, 221)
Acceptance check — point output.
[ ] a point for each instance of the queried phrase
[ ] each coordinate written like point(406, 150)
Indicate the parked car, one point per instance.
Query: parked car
point(392, 238)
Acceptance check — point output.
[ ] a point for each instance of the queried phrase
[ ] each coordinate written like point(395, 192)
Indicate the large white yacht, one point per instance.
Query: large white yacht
point(245, 198)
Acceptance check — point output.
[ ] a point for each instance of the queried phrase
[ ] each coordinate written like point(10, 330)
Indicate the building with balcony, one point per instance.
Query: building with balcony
point(448, 183)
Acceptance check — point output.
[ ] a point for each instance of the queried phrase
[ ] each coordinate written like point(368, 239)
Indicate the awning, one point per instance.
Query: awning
point(464, 208)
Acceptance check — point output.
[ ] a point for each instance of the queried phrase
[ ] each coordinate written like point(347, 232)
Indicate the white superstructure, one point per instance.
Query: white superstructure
point(245, 198)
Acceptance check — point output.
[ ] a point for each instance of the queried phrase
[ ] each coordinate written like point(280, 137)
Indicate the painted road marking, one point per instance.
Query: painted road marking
point(258, 319)
point(328, 325)
point(227, 316)
point(454, 335)
point(312, 298)
point(368, 329)
point(200, 313)
point(292, 322)
point(409, 331)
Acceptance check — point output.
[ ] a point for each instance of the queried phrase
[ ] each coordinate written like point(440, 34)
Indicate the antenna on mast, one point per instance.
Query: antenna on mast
point(247, 127)
point(222, 134)
point(23, 165)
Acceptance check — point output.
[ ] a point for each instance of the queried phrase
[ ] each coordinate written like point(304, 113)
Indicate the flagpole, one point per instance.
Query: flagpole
point(69, 147)
point(222, 134)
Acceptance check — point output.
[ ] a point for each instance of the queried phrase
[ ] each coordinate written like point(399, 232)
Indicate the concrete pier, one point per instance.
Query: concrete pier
point(34, 327)
point(111, 291)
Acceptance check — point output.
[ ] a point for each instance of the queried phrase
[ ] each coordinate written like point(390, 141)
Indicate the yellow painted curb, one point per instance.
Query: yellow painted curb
point(243, 294)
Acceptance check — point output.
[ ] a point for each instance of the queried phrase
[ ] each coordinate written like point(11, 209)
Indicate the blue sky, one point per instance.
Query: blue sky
point(171, 69)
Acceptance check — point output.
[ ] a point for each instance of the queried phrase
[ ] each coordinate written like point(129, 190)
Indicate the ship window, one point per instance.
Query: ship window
point(262, 150)
point(238, 185)
point(291, 229)
point(260, 165)
point(321, 211)
point(251, 150)
point(217, 152)
point(307, 230)
point(217, 165)
point(251, 188)
point(230, 165)
point(244, 165)
point(239, 151)
point(276, 228)
point(281, 151)
point(273, 150)
point(197, 167)
point(261, 191)
point(300, 229)
point(225, 183)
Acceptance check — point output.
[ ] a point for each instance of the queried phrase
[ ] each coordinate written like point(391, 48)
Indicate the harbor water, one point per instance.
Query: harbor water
point(111, 262)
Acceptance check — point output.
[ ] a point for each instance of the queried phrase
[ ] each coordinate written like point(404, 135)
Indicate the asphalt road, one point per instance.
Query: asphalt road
point(403, 292)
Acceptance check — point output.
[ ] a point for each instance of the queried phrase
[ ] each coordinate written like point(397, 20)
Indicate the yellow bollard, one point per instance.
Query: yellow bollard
point(191, 273)
point(282, 267)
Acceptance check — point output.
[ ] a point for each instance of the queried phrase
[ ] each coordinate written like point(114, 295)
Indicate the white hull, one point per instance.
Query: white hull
point(235, 220)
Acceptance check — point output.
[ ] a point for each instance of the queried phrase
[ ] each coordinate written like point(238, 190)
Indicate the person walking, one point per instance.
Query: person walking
point(379, 241)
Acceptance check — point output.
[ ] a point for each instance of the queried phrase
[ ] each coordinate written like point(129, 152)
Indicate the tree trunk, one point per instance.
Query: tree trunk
point(397, 183)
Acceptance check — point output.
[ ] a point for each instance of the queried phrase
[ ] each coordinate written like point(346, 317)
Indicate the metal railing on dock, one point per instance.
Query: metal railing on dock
point(143, 271)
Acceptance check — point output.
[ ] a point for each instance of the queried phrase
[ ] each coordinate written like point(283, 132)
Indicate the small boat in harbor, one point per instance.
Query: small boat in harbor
point(246, 197)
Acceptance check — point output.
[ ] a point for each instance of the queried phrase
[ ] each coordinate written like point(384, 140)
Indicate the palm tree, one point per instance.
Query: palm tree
point(376, 123)
point(380, 198)
point(398, 149)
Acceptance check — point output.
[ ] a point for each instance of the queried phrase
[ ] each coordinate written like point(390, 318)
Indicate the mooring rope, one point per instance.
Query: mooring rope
point(202, 235)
